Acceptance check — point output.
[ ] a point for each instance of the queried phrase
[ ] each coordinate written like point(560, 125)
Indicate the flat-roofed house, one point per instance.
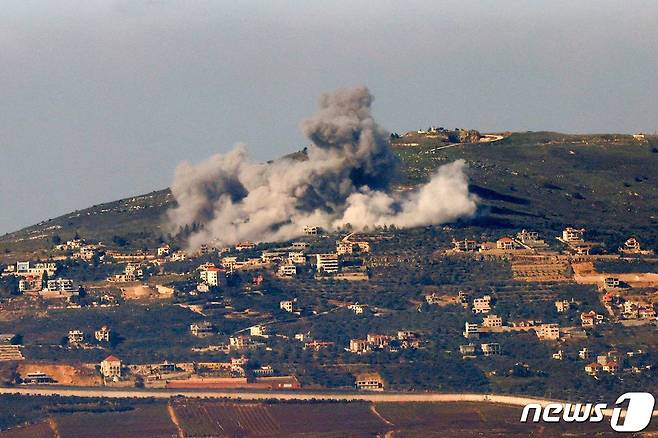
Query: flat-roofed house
point(369, 382)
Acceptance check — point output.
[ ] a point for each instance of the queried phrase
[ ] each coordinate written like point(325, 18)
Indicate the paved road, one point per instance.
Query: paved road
point(280, 395)
point(264, 395)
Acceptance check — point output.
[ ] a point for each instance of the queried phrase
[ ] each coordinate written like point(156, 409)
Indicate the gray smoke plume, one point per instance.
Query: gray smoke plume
point(345, 178)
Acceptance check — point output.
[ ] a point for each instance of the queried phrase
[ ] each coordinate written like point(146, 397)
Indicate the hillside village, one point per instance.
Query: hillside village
point(506, 302)
point(256, 287)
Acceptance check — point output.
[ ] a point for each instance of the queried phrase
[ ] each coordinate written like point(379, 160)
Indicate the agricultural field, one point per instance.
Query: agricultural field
point(197, 418)
point(147, 421)
point(473, 419)
point(276, 420)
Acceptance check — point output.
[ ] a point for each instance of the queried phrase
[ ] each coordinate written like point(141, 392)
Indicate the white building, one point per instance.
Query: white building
point(327, 263)
point(482, 305)
point(102, 334)
point(369, 382)
point(211, 276)
point(297, 258)
point(287, 271)
point(60, 285)
point(76, 337)
point(34, 269)
point(287, 305)
point(87, 252)
point(359, 346)
point(111, 368)
point(258, 330)
point(164, 250)
point(573, 235)
point(490, 349)
point(178, 256)
point(471, 330)
point(530, 238)
point(562, 306)
point(202, 329)
point(357, 308)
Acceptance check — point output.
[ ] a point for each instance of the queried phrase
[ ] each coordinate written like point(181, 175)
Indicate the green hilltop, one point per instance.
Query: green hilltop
point(539, 180)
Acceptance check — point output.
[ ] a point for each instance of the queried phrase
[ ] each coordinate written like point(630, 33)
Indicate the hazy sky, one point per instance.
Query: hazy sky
point(102, 99)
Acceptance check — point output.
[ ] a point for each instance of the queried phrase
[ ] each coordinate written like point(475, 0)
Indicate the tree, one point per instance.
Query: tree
point(119, 241)
point(9, 286)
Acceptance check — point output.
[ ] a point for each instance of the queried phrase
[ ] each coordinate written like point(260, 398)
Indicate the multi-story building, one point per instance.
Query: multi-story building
point(258, 330)
point(505, 243)
point(30, 269)
point(359, 346)
point(590, 319)
point(164, 250)
point(548, 332)
point(111, 368)
point(369, 382)
point(178, 256)
point(490, 349)
point(464, 245)
point(471, 331)
point(212, 276)
point(239, 342)
point(87, 252)
point(344, 247)
point(241, 246)
point(467, 350)
point(593, 368)
point(327, 263)
point(76, 337)
point(28, 283)
point(311, 230)
point(632, 245)
point(297, 258)
point(530, 238)
point(301, 246)
point(492, 321)
point(482, 305)
point(378, 341)
point(287, 271)
point(61, 285)
point(562, 306)
point(202, 329)
point(288, 305)
point(584, 354)
point(573, 235)
point(102, 334)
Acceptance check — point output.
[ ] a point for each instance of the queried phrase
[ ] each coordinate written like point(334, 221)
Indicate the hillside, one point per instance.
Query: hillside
point(540, 180)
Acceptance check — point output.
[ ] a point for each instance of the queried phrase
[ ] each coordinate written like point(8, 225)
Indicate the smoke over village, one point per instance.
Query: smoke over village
point(344, 178)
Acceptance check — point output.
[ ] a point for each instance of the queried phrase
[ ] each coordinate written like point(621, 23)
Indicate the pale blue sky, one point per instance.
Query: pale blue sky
point(102, 99)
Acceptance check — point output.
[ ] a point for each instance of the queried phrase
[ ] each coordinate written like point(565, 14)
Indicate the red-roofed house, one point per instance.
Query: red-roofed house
point(591, 318)
point(111, 367)
point(212, 276)
point(505, 243)
point(593, 368)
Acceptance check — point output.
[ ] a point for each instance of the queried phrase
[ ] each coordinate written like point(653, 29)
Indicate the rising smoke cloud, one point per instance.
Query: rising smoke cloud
point(345, 178)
